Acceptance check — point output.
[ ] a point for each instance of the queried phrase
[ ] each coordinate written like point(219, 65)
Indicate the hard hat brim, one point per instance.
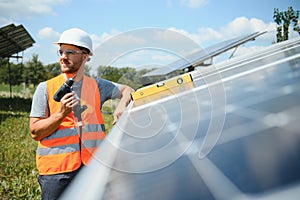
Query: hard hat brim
point(75, 44)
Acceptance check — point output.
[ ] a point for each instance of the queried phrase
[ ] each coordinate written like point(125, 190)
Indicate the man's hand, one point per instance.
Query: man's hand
point(67, 102)
point(118, 112)
point(43, 127)
point(124, 101)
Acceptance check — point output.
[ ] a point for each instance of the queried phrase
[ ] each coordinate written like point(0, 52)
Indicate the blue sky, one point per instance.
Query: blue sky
point(205, 22)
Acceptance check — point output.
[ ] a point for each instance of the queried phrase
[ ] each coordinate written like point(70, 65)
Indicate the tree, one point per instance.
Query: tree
point(109, 73)
point(4, 71)
point(11, 71)
point(128, 76)
point(283, 20)
point(87, 70)
point(16, 73)
point(52, 70)
point(35, 72)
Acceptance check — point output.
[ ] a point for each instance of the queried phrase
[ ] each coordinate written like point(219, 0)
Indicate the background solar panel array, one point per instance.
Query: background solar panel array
point(14, 39)
point(202, 55)
point(232, 134)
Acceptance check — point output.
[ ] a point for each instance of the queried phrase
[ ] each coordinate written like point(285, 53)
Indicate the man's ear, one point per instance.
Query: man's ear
point(87, 58)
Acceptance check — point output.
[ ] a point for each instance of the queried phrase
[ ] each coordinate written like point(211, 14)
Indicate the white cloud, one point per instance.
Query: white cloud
point(48, 33)
point(177, 41)
point(244, 50)
point(194, 3)
point(16, 9)
point(242, 25)
point(6, 21)
point(209, 33)
point(206, 36)
point(163, 58)
point(115, 44)
point(115, 47)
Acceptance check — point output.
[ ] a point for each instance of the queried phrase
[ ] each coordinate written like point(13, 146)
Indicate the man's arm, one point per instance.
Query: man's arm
point(124, 101)
point(43, 127)
point(111, 90)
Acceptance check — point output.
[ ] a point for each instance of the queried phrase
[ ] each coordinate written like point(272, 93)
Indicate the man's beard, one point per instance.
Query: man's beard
point(71, 68)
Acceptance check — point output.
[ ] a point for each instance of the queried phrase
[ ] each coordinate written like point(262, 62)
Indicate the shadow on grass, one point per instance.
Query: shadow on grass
point(15, 104)
point(14, 107)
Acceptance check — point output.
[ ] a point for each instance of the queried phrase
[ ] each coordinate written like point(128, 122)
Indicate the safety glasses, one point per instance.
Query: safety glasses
point(69, 52)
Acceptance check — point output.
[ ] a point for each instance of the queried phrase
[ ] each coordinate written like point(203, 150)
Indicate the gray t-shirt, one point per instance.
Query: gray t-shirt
point(39, 106)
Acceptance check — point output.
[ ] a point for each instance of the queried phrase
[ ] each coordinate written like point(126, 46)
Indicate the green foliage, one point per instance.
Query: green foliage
point(30, 73)
point(52, 70)
point(109, 73)
point(283, 20)
point(128, 76)
point(87, 70)
point(34, 71)
point(108, 118)
point(12, 71)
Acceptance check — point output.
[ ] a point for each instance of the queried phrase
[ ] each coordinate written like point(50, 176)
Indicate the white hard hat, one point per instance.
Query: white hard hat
point(77, 37)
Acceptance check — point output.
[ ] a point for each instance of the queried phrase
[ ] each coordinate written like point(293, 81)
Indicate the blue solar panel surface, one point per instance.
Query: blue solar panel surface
point(232, 134)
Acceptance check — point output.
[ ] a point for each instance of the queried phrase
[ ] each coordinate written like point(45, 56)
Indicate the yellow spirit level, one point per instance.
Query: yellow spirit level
point(161, 86)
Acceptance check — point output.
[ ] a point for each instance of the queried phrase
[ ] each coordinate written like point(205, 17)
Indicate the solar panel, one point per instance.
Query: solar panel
point(14, 39)
point(232, 134)
point(200, 56)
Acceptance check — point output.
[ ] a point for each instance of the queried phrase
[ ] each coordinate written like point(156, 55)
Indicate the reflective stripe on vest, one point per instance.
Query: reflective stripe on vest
point(58, 150)
point(62, 151)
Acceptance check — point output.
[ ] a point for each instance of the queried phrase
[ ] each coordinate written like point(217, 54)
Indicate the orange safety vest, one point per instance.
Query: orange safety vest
point(64, 150)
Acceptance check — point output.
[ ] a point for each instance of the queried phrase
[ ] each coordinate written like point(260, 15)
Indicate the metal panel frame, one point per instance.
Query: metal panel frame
point(197, 58)
point(14, 39)
point(100, 178)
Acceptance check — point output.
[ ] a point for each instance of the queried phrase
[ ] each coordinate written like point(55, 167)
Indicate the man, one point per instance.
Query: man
point(68, 130)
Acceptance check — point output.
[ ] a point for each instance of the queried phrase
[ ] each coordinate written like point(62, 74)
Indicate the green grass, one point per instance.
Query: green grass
point(5, 87)
point(18, 173)
point(17, 91)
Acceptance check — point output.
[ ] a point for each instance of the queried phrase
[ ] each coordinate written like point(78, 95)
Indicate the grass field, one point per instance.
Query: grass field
point(18, 173)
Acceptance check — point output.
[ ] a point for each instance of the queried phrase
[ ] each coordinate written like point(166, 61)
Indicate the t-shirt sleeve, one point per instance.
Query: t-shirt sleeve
point(108, 89)
point(39, 105)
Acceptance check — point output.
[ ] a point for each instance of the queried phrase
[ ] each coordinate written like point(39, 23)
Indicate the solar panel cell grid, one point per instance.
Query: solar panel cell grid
point(172, 148)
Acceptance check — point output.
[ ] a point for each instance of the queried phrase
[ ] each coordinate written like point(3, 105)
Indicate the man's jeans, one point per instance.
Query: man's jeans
point(52, 186)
